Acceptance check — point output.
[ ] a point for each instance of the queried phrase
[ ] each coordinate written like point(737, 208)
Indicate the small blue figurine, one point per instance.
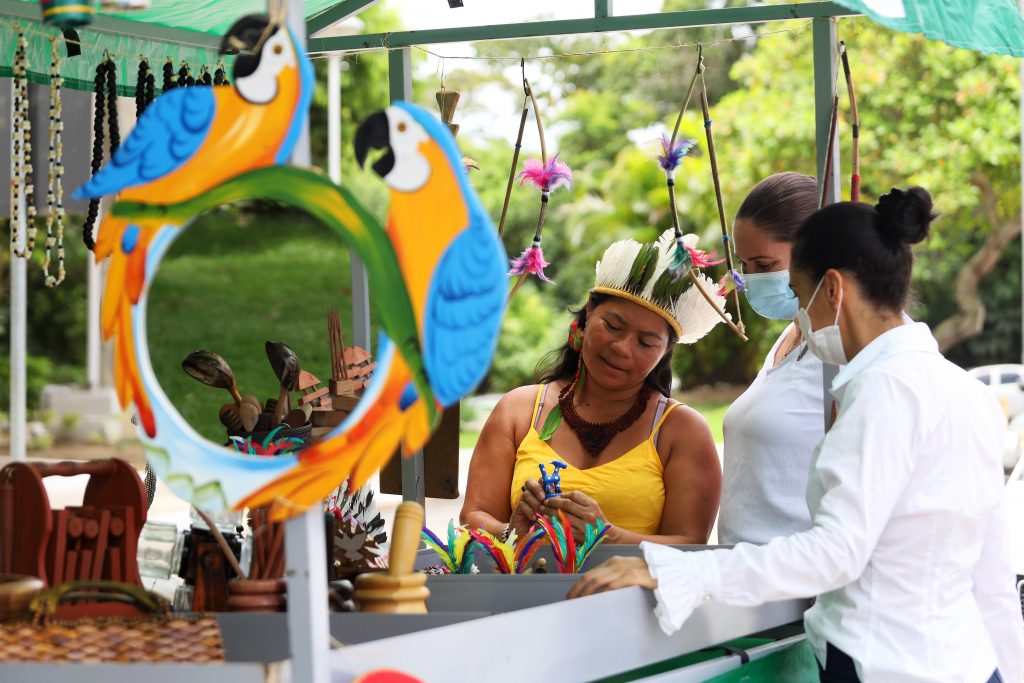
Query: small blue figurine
point(552, 483)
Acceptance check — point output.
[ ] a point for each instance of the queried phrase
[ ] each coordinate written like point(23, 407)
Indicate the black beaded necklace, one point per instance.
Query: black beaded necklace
point(106, 107)
point(595, 436)
point(145, 87)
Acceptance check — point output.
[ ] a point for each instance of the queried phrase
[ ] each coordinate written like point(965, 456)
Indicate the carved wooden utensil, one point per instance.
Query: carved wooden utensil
point(286, 366)
point(212, 370)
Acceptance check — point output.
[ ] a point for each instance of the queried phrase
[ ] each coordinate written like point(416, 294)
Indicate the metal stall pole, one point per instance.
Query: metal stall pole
point(305, 552)
point(19, 313)
point(400, 82)
point(360, 282)
point(825, 72)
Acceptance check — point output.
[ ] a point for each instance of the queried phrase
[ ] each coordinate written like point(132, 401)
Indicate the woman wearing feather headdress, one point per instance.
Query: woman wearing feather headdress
point(637, 460)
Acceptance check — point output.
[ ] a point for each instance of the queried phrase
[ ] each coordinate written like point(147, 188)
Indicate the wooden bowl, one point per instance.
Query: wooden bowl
point(16, 592)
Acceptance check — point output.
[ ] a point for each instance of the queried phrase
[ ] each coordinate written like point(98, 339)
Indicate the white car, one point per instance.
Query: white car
point(1005, 382)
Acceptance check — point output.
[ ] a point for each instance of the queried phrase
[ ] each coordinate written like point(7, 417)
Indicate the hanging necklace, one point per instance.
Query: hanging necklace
point(145, 87)
point(55, 174)
point(595, 436)
point(106, 108)
point(21, 161)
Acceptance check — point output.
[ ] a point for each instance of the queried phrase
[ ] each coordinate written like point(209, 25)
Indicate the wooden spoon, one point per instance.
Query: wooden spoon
point(212, 370)
point(286, 366)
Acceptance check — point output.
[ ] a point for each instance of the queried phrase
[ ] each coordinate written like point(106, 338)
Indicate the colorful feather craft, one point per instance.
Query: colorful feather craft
point(595, 535)
point(672, 153)
point(501, 553)
point(457, 554)
point(702, 259)
point(733, 280)
point(531, 262)
point(269, 446)
point(527, 547)
point(559, 531)
point(547, 177)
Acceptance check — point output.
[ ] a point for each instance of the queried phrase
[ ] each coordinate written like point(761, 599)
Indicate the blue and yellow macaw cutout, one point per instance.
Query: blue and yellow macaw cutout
point(437, 271)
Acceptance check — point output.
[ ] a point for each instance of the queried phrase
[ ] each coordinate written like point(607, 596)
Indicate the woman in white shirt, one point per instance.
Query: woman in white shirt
point(907, 551)
point(772, 428)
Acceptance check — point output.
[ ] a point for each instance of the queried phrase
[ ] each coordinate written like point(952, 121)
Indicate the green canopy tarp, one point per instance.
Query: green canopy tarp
point(182, 31)
point(992, 26)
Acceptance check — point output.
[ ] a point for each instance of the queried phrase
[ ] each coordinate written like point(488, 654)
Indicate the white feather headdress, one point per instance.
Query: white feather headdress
point(639, 272)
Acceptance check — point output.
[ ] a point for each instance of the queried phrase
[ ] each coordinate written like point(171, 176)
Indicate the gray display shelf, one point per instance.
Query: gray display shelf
point(426, 557)
point(601, 635)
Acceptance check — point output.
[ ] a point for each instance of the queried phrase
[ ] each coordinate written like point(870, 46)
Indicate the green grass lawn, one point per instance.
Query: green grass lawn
point(230, 283)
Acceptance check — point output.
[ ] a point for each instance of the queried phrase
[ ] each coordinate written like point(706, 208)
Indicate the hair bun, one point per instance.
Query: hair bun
point(904, 216)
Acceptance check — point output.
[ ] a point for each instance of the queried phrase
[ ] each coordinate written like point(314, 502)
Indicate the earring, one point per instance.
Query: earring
point(575, 339)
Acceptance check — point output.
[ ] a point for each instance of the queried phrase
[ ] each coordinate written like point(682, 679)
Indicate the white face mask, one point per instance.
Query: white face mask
point(826, 343)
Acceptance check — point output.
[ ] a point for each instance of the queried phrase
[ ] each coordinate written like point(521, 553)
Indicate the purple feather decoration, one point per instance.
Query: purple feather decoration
point(672, 153)
point(531, 261)
point(547, 177)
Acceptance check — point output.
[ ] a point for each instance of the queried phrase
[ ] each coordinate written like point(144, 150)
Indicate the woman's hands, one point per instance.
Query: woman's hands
point(528, 508)
point(580, 509)
point(618, 572)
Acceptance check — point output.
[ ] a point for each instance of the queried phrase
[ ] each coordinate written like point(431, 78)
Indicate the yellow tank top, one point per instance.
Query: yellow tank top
point(629, 489)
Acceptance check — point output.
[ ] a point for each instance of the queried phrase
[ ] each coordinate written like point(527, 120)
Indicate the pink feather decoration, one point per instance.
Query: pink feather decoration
point(531, 261)
point(547, 177)
point(702, 259)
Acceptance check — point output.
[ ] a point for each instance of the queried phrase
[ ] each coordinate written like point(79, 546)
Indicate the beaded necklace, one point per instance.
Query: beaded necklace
point(55, 174)
point(595, 436)
point(21, 161)
point(106, 107)
point(145, 87)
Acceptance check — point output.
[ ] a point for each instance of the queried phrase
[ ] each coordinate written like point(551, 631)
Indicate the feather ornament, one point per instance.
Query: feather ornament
point(595, 536)
point(672, 153)
point(527, 547)
point(502, 553)
point(546, 177)
point(531, 262)
point(457, 554)
point(731, 281)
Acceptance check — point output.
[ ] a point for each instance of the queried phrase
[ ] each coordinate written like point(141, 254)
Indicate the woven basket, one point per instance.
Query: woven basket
point(157, 638)
point(172, 639)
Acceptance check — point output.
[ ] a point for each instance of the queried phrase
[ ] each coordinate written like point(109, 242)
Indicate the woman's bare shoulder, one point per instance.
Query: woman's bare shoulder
point(685, 422)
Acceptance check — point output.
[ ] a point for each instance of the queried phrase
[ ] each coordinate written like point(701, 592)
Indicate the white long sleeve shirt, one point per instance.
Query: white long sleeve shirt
point(908, 552)
point(770, 432)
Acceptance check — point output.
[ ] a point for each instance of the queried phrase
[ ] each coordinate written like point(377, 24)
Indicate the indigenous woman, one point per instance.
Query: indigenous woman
point(907, 552)
point(634, 458)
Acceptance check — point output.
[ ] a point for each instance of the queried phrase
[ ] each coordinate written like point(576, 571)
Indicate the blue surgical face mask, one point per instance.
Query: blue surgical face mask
point(770, 296)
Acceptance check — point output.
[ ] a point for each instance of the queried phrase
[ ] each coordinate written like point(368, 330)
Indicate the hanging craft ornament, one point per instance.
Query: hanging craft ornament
point(22, 188)
point(106, 111)
point(515, 153)
point(738, 326)
point(673, 150)
point(207, 79)
point(219, 76)
point(55, 174)
point(145, 87)
point(168, 72)
point(547, 175)
point(447, 101)
point(854, 124)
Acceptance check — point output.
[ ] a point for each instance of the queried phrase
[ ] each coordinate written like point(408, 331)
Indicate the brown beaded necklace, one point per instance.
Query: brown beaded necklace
point(595, 436)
